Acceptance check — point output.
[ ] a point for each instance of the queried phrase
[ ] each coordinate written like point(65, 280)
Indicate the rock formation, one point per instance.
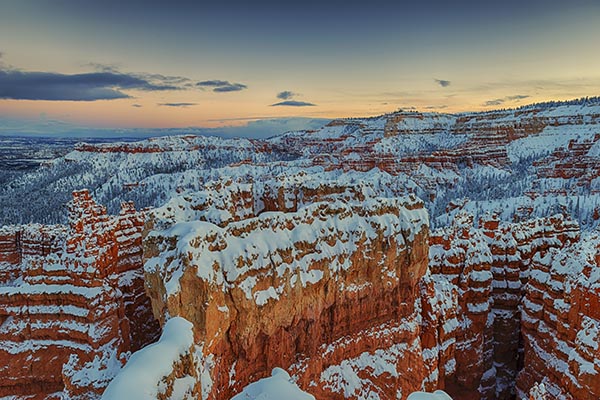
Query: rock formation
point(561, 322)
point(489, 266)
point(167, 369)
point(312, 252)
point(72, 301)
point(303, 290)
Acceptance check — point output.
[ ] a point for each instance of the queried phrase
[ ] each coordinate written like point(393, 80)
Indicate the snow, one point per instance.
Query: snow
point(273, 244)
point(589, 335)
point(437, 395)
point(141, 377)
point(42, 288)
point(278, 386)
point(344, 378)
point(551, 138)
point(594, 151)
point(192, 183)
point(98, 372)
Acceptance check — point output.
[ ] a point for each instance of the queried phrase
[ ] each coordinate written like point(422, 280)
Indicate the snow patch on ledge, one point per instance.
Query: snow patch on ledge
point(142, 377)
point(276, 387)
point(437, 395)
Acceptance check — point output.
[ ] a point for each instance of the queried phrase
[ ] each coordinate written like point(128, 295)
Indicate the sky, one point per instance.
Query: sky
point(254, 67)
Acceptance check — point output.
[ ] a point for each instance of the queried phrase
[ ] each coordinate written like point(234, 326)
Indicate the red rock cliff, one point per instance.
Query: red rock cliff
point(561, 322)
point(71, 302)
point(311, 290)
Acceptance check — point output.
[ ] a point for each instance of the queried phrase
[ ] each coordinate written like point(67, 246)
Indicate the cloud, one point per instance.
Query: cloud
point(497, 102)
point(286, 95)
point(213, 83)
point(222, 86)
point(293, 103)
point(440, 107)
point(442, 82)
point(177, 104)
point(102, 67)
point(179, 82)
point(21, 85)
point(517, 97)
point(265, 128)
point(235, 87)
point(136, 105)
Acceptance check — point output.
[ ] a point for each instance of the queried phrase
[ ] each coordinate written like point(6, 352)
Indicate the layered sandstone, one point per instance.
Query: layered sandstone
point(298, 264)
point(403, 141)
point(458, 329)
point(489, 266)
point(309, 290)
point(578, 162)
point(69, 300)
point(561, 322)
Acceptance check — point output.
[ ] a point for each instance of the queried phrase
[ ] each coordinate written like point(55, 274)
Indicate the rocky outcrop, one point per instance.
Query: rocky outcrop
point(576, 165)
point(189, 143)
point(403, 141)
point(72, 302)
point(489, 266)
point(457, 328)
point(561, 322)
point(309, 291)
point(165, 370)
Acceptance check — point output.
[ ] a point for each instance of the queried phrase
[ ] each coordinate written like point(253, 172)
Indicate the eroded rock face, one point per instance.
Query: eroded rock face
point(402, 142)
point(167, 370)
point(489, 266)
point(308, 291)
point(68, 300)
point(284, 256)
point(561, 322)
point(317, 289)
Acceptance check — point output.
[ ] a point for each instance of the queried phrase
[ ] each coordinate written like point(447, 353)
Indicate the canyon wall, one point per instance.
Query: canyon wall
point(304, 290)
point(561, 322)
point(72, 302)
point(455, 326)
point(403, 141)
point(490, 266)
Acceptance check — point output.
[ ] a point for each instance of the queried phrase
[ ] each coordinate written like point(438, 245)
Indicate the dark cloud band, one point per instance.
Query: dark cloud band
point(286, 95)
point(21, 85)
point(220, 86)
point(177, 104)
point(293, 103)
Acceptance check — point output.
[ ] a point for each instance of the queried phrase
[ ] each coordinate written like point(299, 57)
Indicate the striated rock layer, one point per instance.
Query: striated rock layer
point(310, 291)
point(71, 302)
point(337, 290)
point(561, 322)
point(489, 267)
point(282, 255)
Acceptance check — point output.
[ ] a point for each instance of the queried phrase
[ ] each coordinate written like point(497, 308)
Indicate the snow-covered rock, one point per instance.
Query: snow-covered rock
point(166, 369)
